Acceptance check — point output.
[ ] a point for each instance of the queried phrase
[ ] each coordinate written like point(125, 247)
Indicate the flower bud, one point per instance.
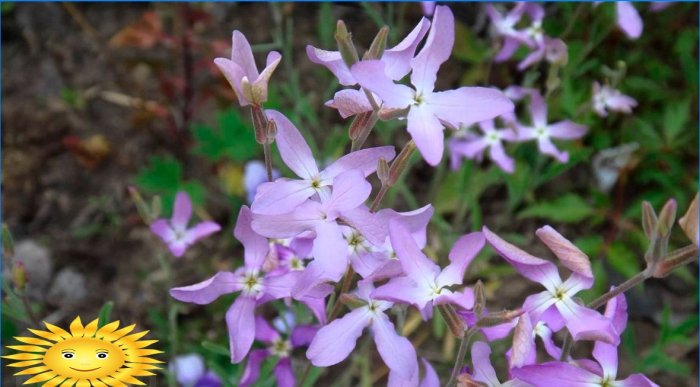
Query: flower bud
point(351, 301)
point(667, 218)
point(658, 243)
point(259, 123)
point(480, 299)
point(383, 171)
point(361, 125)
point(376, 50)
point(400, 162)
point(689, 221)
point(247, 89)
point(19, 276)
point(454, 322)
point(497, 318)
point(388, 114)
point(270, 131)
point(345, 45)
point(649, 220)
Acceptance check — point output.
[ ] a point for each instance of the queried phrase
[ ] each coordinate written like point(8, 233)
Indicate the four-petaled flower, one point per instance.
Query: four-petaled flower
point(426, 108)
point(174, 232)
point(606, 98)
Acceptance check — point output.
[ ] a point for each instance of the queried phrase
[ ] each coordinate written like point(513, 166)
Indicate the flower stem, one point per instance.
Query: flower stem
point(459, 362)
point(268, 160)
point(347, 280)
point(395, 170)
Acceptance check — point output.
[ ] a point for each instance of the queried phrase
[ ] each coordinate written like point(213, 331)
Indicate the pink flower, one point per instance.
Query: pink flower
point(555, 305)
point(424, 284)
point(541, 130)
point(426, 108)
point(474, 146)
point(174, 232)
point(335, 341)
point(284, 195)
point(606, 98)
point(242, 73)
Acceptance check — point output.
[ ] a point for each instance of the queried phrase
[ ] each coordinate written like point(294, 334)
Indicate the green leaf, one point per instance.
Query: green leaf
point(676, 120)
point(161, 174)
point(103, 316)
point(234, 139)
point(623, 260)
point(569, 208)
point(216, 348)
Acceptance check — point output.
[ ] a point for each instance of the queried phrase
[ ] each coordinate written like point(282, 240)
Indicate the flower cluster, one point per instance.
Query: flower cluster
point(307, 234)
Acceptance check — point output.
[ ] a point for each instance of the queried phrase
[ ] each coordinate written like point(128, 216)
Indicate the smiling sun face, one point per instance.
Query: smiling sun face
point(86, 356)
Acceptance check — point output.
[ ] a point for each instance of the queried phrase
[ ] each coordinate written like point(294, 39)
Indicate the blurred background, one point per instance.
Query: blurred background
point(100, 97)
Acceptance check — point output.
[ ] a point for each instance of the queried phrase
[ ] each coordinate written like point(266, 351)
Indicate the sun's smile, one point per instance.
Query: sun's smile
point(85, 356)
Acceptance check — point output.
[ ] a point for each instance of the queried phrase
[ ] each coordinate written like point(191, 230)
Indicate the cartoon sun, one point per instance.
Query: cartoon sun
point(87, 356)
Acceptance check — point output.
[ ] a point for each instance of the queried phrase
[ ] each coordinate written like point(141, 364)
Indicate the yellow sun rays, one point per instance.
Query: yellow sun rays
point(57, 357)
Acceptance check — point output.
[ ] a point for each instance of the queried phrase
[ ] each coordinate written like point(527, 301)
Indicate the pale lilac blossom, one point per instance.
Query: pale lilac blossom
point(424, 284)
point(474, 146)
point(484, 371)
point(284, 195)
point(281, 339)
point(334, 342)
point(426, 108)
point(603, 372)
point(541, 130)
point(556, 305)
point(174, 232)
point(606, 98)
point(628, 19)
point(242, 73)
point(255, 287)
point(504, 25)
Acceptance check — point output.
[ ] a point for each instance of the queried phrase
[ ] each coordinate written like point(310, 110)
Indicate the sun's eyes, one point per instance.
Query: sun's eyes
point(68, 355)
point(102, 355)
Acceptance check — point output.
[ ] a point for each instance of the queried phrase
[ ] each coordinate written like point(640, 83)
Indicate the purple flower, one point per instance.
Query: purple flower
point(279, 346)
point(255, 287)
point(428, 8)
point(242, 73)
point(190, 371)
point(255, 174)
point(504, 26)
point(284, 195)
point(330, 248)
point(335, 341)
point(397, 59)
point(556, 305)
point(473, 147)
point(430, 378)
point(425, 107)
point(174, 232)
point(606, 97)
point(424, 284)
point(603, 372)
point(542, 131)
point(380, 261)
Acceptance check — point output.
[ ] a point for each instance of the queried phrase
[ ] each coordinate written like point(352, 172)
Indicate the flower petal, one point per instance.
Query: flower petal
point(370, 75)
point(431, 378)
point(284, 374)
point(569, 255)
point(251, 372)
point(205, 292)
point(468, 105)
point(330, 250)
point(463, 299)
point(259, 87)
point(182, 211)
point(435, 52)
point(233, 74)
point(533, 268)
point(335, 341)
point(463, 252)
point(397, 59)
point(636, 380)
point(585, 323)
point(242, 55)
point(333, 61)
point(289, 225)
point(547, 147)
point(567, 130)
point(240, 320)
point(523, 349)
point(302, 335)
point(293, 148)
point(499, 156)
point(402, 290)
point(350, 190)
point(350, 102)
point(366, 223)
point(255, 246)
point(396, 351)
point(414, 263)
point(628, 19)
point(427, 132)
point(281, 196)
point(483, 370)
point(264, 331)
point(556, 374)
point(364, 160)
point(201, 230)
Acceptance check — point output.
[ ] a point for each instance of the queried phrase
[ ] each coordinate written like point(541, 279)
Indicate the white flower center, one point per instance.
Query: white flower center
point(296, 264)
point(252, 283)
point(542, 132)
point(493, 138)
point(281, 348)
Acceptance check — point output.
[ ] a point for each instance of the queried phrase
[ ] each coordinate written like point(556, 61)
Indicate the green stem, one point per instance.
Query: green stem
point(459, 362)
